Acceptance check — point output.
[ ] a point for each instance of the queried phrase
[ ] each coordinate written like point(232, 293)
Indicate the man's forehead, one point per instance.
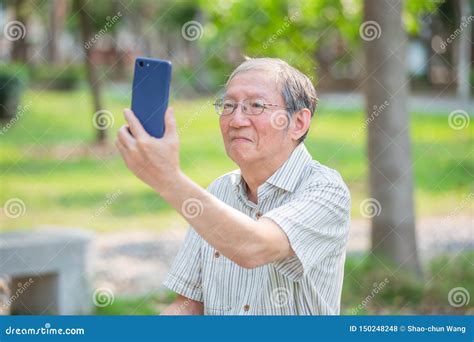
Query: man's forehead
point(248, 91)
point(253, 83)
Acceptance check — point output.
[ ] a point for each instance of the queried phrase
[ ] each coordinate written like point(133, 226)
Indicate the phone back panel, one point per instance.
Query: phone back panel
point(151, 86)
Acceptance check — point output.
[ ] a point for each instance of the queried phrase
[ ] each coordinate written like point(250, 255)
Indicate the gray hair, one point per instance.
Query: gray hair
point(296, 88)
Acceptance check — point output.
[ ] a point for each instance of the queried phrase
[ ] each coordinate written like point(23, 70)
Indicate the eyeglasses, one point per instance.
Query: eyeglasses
point(250, 107)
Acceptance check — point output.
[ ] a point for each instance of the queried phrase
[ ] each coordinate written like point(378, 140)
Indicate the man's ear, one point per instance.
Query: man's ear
point(301, 121)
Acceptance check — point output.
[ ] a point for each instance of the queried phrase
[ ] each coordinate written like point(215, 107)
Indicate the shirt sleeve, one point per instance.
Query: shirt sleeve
point(184, 276)
point(316, 223)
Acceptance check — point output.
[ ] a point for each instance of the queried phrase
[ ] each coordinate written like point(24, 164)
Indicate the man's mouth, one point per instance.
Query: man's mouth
point(241, 139)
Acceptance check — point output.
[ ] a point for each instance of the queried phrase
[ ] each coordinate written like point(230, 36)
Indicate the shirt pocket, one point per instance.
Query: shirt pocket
point(217, 311)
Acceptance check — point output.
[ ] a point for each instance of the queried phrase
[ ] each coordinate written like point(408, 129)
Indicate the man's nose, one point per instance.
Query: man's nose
point(239, 118)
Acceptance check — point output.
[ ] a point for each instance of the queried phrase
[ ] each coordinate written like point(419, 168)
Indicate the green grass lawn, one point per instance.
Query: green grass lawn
point(41, 162)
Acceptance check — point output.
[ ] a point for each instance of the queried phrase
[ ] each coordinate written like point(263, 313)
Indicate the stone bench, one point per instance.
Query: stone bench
point(47, 271)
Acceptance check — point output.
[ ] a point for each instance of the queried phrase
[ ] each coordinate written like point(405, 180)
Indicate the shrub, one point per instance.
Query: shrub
point(13, 80)
point(57, 77)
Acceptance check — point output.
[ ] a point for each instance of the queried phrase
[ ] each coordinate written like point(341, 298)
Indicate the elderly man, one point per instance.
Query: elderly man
point(270, 237)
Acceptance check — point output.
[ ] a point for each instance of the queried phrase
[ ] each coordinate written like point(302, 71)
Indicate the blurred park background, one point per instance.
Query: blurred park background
point(395, 83)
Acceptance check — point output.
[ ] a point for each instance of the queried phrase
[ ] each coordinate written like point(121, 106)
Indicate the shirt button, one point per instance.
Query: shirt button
point(217, 254)
point(246, 307)
point(258, 214)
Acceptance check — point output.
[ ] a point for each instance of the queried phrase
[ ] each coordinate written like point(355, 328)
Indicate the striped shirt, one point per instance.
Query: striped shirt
point(311, 204)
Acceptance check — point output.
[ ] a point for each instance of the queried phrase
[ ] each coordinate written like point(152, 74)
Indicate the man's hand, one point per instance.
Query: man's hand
point(154, 161)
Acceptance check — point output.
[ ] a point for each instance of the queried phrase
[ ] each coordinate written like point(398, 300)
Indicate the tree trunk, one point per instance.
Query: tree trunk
point(390, 174)
point(20, 46)
point(464, 52)
point(92, 75)
point(57, 10)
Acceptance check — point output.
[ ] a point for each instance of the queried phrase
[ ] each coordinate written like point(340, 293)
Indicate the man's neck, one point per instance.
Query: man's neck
point(256, 173)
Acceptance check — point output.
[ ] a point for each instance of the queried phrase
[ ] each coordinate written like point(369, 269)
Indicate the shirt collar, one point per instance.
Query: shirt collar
point(286, 177)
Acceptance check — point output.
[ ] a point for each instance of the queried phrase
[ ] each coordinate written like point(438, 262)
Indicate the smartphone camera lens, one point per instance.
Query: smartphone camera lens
point(140, 63)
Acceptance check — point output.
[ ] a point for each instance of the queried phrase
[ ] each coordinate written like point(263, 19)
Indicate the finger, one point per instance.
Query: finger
point(170, 122)
point(135, 126)
point(122, 149)
point(125, 137)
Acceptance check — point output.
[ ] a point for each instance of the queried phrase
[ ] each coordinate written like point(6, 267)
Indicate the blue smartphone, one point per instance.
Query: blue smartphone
point(150, 93)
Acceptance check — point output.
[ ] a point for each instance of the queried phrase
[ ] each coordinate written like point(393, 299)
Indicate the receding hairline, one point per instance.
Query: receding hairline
point(274, 66)
point(259, 91)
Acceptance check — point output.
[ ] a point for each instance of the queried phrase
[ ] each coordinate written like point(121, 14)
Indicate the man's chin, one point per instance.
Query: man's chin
point(241, 154)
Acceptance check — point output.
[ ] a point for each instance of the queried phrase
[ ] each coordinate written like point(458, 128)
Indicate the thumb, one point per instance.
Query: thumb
point(170, 123)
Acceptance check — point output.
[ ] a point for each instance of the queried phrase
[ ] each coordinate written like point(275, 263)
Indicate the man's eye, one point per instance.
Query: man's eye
point(228, 105)
point(257, 104)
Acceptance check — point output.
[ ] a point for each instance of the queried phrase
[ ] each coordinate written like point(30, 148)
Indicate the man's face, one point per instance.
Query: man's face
point(249, 138)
